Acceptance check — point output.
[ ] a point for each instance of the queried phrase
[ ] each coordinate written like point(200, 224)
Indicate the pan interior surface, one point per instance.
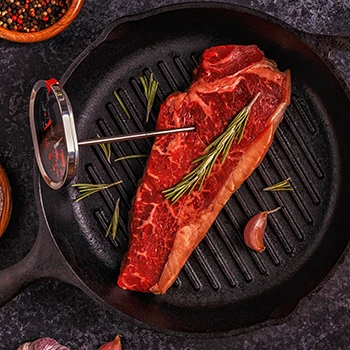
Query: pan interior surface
point(224, 286)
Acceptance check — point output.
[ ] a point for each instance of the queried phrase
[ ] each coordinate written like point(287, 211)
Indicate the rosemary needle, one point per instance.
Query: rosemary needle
point(131, 157)
point(221, 145)
point(86, 190)
point(122, 105)
point(280, 186)
point(150, 89)
point(113, 226)
point(106, 148)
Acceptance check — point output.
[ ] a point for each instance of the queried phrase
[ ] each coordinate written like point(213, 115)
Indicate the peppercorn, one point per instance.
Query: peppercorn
point(31, 15)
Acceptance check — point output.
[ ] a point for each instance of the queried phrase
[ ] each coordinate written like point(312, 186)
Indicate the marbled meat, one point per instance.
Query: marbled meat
point(164, 235)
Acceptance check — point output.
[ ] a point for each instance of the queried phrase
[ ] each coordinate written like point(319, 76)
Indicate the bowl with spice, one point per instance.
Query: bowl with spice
point(29, 21)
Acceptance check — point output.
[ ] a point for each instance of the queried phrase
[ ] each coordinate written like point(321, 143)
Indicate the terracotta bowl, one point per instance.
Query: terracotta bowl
point(5, 201)
point(55, 29)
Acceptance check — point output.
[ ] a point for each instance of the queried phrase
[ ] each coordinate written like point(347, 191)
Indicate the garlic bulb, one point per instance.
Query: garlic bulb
point(43, 344)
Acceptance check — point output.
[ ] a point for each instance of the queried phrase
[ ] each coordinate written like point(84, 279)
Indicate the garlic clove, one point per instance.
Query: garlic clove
point(112, 345)
point(255, 230)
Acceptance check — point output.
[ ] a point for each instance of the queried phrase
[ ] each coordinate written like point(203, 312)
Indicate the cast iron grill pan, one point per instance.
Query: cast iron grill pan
point(224, 286)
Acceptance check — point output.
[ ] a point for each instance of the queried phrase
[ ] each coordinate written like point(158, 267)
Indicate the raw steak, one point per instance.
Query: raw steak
point(163, 235)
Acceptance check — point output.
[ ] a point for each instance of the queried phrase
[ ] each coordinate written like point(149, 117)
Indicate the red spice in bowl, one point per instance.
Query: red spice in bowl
point(52, 26)
point(31, 15)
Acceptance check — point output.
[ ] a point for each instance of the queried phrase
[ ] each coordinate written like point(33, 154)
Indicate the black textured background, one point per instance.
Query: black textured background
point(63, 312)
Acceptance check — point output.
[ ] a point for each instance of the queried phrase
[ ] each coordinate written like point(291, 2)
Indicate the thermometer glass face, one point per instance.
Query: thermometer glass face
point(50, 134)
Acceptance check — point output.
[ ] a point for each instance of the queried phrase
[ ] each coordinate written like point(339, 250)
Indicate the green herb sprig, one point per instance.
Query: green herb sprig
point(220, 145)
point(121, 103)
point(86, 190)
point(150, 87)
point(280, 186)
point(131, 157)
point(106, 148)
point(113, 226)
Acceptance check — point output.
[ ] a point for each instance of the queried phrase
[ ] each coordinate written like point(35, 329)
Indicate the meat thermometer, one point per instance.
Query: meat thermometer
point(55, 141)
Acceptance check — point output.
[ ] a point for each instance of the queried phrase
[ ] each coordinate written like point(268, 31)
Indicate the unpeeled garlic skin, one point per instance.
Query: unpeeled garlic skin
point(113, 345)
point(254, 232)
point(43, 344)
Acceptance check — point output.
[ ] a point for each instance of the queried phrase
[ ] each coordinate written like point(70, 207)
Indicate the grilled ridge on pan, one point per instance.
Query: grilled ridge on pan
point(227, 263)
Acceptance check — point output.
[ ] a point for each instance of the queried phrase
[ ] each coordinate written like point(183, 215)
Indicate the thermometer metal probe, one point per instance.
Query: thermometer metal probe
point(55, 141)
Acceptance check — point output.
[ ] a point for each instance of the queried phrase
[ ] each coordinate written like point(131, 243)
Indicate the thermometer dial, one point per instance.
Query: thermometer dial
point(55, 144)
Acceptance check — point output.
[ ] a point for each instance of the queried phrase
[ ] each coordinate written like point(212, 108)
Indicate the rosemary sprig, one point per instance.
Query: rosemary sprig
point(106, 148)
point(220, 145)
point(131, 157)
point(149, 88)
point(122, 105)
point(113, 226)
point(280, 186)
point(86, 190)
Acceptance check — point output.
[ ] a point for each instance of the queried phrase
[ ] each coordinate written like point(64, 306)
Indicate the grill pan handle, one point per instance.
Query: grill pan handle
point(44, 261)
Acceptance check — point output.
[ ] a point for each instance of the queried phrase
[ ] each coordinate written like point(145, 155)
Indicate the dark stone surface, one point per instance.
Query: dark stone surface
point(63, 312)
